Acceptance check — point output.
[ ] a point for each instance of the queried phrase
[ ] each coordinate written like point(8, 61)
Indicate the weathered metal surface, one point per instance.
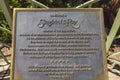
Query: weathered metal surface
point(58, 44)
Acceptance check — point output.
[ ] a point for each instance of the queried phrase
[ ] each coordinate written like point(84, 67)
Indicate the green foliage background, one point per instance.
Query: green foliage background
point(5, 37)
point(61, 3)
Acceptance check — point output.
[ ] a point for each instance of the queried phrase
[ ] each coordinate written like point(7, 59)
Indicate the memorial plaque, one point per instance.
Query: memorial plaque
point(58, 44)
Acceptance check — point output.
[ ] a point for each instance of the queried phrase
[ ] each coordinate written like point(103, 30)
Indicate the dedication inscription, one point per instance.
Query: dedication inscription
point(58, 44)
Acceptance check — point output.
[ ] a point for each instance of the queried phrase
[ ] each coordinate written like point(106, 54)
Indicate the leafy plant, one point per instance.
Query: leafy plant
point(5, 31)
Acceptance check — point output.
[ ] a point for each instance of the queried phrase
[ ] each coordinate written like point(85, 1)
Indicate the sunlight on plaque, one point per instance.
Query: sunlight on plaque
point(58, 44)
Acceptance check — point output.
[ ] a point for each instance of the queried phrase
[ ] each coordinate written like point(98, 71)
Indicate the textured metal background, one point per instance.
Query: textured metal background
point(26, 23)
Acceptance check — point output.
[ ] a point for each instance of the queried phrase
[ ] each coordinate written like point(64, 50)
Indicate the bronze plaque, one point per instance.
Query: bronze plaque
point(58, 44)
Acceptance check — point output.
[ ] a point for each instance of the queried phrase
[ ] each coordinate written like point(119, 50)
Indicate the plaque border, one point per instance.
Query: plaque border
point(57, 9)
